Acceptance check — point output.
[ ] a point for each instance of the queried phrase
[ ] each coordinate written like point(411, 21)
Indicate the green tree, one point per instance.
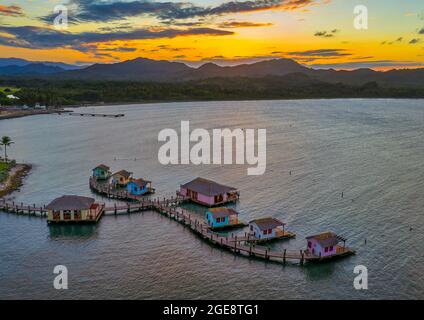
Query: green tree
point(6, 142)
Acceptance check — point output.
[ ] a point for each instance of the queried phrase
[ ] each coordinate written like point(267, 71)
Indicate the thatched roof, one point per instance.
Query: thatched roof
point(70, 203)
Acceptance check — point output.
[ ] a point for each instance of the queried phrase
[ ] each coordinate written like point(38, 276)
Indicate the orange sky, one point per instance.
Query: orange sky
point(317, 33)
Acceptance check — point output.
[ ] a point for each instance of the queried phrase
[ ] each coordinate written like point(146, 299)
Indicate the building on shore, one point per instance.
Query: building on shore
point(121, 178)
point(222, 218)
point(208, 193)
point(266, 228)
point(139, 187)
point(102, 172)
point(71, 208)
point(325, 244)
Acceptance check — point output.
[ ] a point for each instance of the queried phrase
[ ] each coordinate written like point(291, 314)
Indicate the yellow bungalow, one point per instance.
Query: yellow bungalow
point(74, 209)
point(121, 178)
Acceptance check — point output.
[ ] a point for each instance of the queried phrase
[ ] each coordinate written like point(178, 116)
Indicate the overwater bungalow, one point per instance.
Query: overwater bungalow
point(326, 245)
point(121, 178)
point(222, 218)
point(102, 172)
point(139, 187)
point(70, 208)
point(208, 193)
point(267, 229)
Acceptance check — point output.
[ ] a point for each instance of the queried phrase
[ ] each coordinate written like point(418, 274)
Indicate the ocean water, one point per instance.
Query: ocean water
point(371, 150)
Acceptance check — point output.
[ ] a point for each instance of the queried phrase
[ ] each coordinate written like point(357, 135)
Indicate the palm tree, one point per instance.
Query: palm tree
point(6, 142)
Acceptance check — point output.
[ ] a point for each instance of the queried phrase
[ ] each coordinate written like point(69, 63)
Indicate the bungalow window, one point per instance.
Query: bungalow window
point(265, 231)
point(309, 244)
point(331, 248)
point(251, 228)
point(326, 249)
point(269, 231)
point(67, 215)
point(56, 215)
point(77, 215)
point(218, 219)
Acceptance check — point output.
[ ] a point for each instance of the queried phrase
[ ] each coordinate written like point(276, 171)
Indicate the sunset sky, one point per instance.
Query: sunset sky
point(318, 33)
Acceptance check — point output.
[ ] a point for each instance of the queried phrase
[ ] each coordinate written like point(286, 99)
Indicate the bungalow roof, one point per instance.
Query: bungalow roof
point(207, 187)
point(326, 239)
point(70, 202)
point(267, 223)
point(222, 212)
point(126, 174)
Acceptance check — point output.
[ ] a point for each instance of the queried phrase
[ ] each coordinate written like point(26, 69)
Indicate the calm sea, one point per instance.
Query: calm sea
point(371, 150)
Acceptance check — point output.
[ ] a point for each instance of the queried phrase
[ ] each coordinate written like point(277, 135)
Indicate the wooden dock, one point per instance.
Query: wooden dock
point(238, 244)
point(23, 209)
point(101, 115)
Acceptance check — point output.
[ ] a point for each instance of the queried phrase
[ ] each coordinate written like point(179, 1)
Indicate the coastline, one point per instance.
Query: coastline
point(14, 179)
point(11, 114)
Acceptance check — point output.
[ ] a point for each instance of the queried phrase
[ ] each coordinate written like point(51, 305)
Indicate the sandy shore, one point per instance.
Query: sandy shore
point(10, 114)
point(15, 179)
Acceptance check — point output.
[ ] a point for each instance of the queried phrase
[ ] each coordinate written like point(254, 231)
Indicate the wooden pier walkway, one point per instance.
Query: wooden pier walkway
point(23, 209)
point(235, 243)
point(102, 115)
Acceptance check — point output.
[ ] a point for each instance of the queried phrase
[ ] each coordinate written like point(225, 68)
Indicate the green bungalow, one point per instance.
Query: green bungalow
point(102, 172)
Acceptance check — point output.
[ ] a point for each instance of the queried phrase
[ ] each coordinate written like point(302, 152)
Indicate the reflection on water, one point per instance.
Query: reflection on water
point(371, 150)
point(80, 231)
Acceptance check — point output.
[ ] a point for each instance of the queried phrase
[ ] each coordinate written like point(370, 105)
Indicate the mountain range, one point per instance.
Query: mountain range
point(148, 70)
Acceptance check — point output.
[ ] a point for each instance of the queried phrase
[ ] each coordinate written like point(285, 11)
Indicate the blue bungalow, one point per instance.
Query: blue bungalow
point(101, 172)
point(222, 217)
point(138, 187)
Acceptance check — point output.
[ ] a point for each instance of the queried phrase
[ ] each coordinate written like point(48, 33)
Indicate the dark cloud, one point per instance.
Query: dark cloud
point(11, 11)
point(367, 64)
point(421, 31)
point(42, 38)
point(242, 24)
point(415, 41)
point(96, 10)
point(398, 40)
point(320, 53)
point(326, 34)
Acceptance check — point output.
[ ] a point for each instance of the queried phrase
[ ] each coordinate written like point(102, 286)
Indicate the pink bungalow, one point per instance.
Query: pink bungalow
point(325, 244)
point(208, 193)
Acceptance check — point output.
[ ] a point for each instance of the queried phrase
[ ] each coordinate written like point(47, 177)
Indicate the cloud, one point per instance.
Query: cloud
point(398, 40)
point(11, 11)
point(320, 53)
point(415, 41)
point(44, 38)
point(100, 11)
point(242, 24)
point(326, 34)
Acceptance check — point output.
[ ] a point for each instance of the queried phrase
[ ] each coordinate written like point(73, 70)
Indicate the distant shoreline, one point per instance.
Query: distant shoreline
point(26, 113)
point(11, 114)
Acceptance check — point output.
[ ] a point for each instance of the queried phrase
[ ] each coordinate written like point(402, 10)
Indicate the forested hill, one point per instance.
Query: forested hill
point(292, 86)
